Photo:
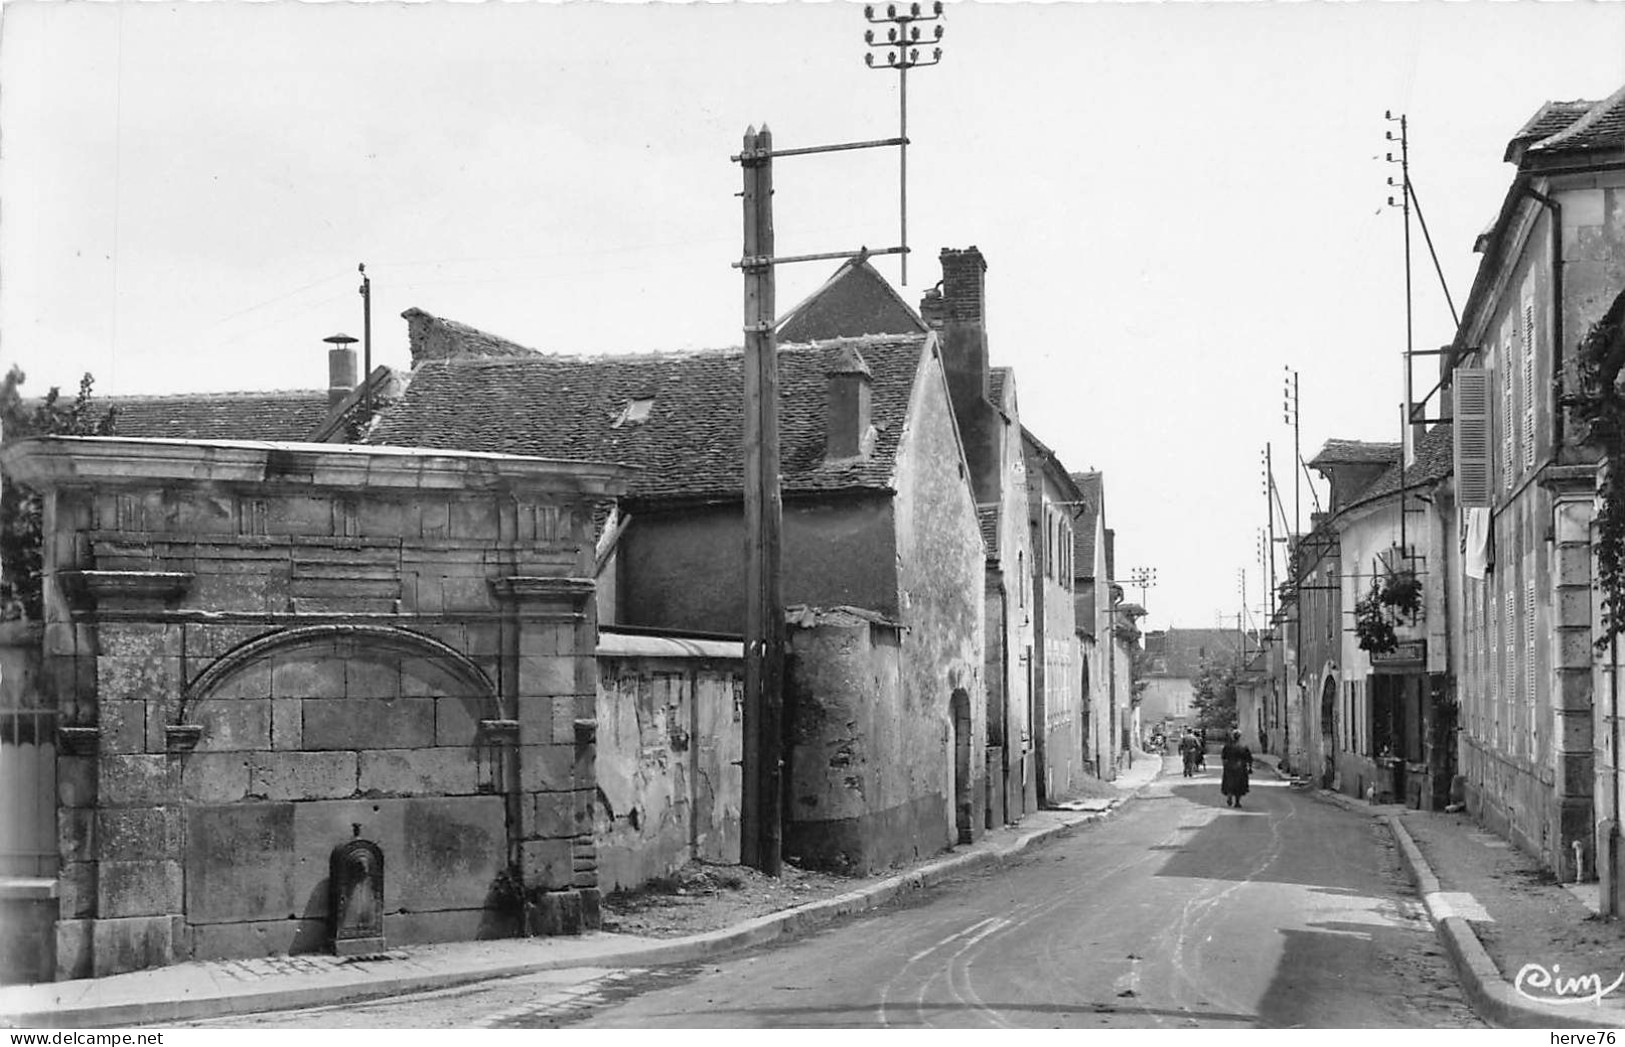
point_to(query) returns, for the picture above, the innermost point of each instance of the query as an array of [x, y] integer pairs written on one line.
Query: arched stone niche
[[310, 737]]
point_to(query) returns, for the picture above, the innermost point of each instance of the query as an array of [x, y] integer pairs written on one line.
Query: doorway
[[959, 709], [1328, 733]]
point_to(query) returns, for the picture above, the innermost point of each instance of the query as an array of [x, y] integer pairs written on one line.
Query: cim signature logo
[[1554, 987]]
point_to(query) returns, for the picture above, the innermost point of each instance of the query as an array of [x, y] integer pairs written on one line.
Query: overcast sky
[[1176, 201]]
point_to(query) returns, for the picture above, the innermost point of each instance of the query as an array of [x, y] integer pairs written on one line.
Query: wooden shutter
[[1509, 443], [1529, 385], [1529, 661], [1509, 656], [1472, 437]]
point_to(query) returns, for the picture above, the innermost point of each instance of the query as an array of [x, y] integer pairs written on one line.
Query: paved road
[[1177, 913]]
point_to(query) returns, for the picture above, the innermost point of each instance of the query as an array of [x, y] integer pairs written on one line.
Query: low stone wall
[[670, 714]]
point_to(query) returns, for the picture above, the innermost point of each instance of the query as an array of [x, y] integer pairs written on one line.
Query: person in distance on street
[[1188, 746], [1238, 767]]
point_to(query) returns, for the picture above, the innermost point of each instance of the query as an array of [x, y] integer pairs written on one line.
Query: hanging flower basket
[[1402, 591], [1373, 622]]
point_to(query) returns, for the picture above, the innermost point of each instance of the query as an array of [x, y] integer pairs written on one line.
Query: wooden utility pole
[[763, 763], [761, 835], [366, 343]]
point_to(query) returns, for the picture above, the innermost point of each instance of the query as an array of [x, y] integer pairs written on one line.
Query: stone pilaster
[[1571, 679], [552, 679]]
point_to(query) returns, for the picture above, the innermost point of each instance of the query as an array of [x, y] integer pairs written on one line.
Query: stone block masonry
[[268, 651]]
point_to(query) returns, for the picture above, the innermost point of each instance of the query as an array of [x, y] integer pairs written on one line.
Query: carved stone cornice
[[87, 590], [534, 589], [1575, 481], [499, 732], [182, 737]]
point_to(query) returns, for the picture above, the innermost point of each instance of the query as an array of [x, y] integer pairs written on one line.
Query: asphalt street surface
[[1178, 912]]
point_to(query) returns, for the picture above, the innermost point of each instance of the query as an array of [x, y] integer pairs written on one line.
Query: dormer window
[[635, 412]]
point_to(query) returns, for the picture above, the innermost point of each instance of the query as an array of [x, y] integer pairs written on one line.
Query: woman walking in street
[[1238, 766]]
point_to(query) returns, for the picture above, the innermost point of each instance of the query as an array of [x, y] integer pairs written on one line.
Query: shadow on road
[[1341, 975], [1264, 842]]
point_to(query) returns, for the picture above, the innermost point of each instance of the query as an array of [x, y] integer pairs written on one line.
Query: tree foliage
[[1213, 695], [22, 511], [1599, 407]]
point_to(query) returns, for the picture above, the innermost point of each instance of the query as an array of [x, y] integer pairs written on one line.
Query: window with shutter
[[1477, 665], [1529, 385], [1492, 667], [1529, 665], [1471, 391], [1509, 661], [1508, 443]]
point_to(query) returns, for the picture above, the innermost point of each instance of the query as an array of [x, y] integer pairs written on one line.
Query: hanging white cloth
[[1475, 543]]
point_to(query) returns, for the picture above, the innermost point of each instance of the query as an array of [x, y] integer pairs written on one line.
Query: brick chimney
[[340, 368], [957, 311], [848, 388]]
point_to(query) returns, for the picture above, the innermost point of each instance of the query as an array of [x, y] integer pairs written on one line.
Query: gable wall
[[685, 568]]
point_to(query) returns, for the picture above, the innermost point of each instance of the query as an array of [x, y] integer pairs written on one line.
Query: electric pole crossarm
[[763, 262], [808, 150]]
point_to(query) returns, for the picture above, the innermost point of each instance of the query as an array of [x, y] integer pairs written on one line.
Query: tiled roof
[[1355, 452], [1435, 460], [288, 415], [1180, 652], [1548, 120], [855, 301], [688, 445], [1601, 127], [436, 338]]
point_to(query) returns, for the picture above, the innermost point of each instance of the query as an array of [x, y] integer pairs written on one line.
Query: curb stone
[[758, 931], [1489, 994]]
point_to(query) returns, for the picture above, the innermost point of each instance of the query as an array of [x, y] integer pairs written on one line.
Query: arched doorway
[[959, 709]]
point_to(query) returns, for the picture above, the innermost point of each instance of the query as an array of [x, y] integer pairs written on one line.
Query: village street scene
[[606, 516]]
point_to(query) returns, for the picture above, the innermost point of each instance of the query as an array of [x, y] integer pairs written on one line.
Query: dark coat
[[1238, 765]]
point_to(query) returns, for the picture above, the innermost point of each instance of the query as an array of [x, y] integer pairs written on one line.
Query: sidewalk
[[1500, 916], [195, 990]]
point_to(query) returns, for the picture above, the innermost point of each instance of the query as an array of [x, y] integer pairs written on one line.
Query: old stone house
[[1173, 659], [1053, 504], [882, 559], [988, 418], [1314, 635], [1539, 737], [1091, 612], [272, 665], [1391, 716]]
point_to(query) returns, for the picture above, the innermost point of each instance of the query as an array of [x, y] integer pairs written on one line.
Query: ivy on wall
[[1598, 405]]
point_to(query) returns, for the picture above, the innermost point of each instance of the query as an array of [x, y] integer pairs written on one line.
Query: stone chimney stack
[[957, 311], [847, 405], [340, 368]]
